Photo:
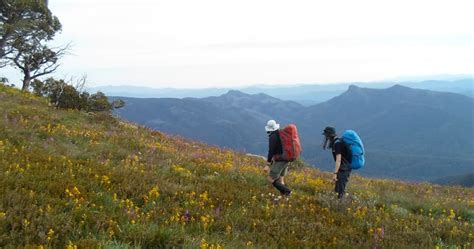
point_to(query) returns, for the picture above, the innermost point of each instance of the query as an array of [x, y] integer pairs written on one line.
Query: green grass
[[73, 179]]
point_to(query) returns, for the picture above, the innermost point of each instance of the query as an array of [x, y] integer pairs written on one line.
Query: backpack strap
[[344, 160]]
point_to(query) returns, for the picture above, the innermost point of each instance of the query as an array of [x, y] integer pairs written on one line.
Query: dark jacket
[[274, 145]]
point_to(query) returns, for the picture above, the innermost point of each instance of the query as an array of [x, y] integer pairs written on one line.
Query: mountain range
[[466, 180], [305, 94], [409, 134]]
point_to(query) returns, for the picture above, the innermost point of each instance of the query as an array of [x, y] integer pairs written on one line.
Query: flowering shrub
[[71, 180]]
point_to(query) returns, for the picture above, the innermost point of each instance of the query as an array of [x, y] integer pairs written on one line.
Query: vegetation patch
[[71, 179]]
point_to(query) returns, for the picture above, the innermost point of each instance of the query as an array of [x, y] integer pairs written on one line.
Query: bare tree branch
[[61, 90], [80, 84], [17, 62], [45, 71]]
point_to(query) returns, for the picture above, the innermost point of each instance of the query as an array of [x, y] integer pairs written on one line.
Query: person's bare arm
[[337, 166]]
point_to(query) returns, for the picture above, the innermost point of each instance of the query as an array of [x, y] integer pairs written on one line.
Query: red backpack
[[290, 143]]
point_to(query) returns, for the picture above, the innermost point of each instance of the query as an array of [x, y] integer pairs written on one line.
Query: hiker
[[276, 168], [341, 156]]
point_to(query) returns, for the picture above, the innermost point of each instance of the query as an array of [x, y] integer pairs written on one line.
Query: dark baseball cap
[[329, 131]]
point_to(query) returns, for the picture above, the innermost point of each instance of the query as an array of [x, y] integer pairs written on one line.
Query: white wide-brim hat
[[272, 125]]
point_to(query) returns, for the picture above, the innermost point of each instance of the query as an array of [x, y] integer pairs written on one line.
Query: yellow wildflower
[[70, 245], [204, 244], [50, 234]]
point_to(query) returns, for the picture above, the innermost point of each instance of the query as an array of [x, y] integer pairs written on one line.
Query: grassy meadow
[[69, 179]]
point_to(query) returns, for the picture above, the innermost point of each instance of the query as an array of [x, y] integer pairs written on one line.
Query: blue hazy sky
[[188, 44]]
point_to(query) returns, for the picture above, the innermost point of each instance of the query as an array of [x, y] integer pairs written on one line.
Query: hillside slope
[[72, 179]]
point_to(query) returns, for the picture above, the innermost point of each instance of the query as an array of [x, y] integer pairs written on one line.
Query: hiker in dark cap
[[341, 156]]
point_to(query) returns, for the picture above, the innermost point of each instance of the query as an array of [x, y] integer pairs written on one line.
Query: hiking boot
[[282, 188]]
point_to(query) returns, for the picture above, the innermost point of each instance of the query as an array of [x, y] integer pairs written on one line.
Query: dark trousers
[[342, 179]]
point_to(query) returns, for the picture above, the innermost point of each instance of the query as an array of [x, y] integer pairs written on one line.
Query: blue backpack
[[355, 147]]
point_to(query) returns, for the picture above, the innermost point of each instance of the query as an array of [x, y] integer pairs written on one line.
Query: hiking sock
[[284, 190]]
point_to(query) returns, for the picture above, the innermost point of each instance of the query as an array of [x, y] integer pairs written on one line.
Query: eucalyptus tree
[[26, 27]]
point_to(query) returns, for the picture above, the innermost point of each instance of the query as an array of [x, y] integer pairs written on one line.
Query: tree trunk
[[26, 82], [2, 47]]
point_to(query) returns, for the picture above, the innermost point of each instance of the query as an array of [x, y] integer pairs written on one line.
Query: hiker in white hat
[[277, 169]]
